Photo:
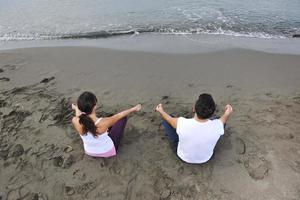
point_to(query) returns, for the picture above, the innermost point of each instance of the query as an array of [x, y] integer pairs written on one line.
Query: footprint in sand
[[3, 103], [14, 119], [63, 161], [257, 167], [68, 149], [4, 153], [85, 188], [4, 79], [69, 190], [165, 194], [47, 80], [23, 192], [17, 150], [68, 161], [35, 196], [9, 67], [240, 146], [58, 161]]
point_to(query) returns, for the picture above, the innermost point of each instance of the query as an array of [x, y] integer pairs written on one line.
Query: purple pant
[[116, 132]]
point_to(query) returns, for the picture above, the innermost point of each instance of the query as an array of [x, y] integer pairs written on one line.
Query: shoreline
[[168, 43]]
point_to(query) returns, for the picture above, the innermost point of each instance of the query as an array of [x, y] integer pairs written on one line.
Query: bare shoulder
[[104, 123], [102, 126]]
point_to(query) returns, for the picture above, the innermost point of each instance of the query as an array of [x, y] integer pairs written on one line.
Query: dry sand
[[41, 156]]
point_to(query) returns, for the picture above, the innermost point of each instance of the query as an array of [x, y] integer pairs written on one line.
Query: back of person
[[197, 140], [194, 139], [101, 136], [99, 146]]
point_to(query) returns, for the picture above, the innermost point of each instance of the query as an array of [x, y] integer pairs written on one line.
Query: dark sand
[[41, 156]]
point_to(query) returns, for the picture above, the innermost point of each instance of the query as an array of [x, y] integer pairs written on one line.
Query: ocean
[[73, 19]]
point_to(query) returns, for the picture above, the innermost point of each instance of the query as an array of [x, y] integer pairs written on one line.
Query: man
[[194, 139]]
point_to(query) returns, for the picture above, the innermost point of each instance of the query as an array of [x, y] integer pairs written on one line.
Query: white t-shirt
[[197, 140]]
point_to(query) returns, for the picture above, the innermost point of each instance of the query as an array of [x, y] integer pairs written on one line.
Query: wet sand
[[41, 156]]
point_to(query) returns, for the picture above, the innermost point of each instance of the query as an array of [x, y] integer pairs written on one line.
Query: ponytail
[[88, 124], [86, 103]]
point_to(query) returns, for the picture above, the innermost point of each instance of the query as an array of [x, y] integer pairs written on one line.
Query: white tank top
[[97, 145]]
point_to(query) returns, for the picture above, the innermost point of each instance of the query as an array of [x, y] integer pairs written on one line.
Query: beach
[[42, 157]]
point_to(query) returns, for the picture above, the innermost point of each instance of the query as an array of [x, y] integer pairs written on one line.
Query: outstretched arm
[[171, 120], [110, 121], [227, 113]]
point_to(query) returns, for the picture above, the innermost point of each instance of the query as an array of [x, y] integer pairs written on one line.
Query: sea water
[[64, 19]]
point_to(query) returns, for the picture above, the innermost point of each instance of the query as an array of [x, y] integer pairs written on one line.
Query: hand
[[74, 106], [137, 108], [159, 108], [228, 110]]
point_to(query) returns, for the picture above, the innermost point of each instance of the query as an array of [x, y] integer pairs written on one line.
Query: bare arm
[[171, 120], [76, 124], [77, 111], [75, 119], [110, 121], [227, 113]]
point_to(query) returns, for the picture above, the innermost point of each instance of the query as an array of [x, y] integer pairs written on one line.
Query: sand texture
[[42, 157]]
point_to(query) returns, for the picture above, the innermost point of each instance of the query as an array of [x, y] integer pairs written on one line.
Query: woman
[[101, 136]]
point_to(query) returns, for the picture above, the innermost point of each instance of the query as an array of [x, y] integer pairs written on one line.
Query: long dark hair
[[86, 103]]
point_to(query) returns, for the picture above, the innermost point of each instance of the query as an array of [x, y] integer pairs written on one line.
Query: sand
[[41, 155]]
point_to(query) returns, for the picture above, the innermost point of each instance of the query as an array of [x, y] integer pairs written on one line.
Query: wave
[[114, 33], [95, 35]]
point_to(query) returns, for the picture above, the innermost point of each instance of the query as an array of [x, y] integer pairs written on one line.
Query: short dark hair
[[205, 106]]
